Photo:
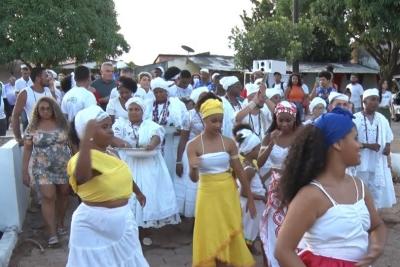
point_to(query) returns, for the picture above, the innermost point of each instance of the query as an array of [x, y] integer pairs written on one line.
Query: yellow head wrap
[[211, 107]]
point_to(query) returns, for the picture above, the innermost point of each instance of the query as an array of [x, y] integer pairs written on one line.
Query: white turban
[[250, 141], [271, 92], [205, 70], [87, 114], [197, 92], [251, 88], [336, 95], [228, 81], [370, 92], [159, 83], [137, 100], [316, 101]]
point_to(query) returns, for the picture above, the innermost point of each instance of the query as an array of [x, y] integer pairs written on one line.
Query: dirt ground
[[172, 245]]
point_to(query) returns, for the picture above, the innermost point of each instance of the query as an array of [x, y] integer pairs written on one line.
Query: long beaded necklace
[[161, 118], [366, 130], [252, 123]]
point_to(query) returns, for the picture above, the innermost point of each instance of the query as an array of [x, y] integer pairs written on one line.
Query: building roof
[[214, 62], [315, 67]]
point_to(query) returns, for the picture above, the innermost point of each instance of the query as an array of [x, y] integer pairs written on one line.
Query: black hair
[[185, 74], [205, 97], [238, 137], [82, 73], [290, 84], [330, 68], [128, 83], [381, 82], [127, 70], [36, 72], [305, 161], [171, 73], [325, 74], [277, 73], [66, 83], [274, 124]]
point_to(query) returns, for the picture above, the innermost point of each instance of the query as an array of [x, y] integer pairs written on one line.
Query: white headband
[[250, 141], [87, 114]]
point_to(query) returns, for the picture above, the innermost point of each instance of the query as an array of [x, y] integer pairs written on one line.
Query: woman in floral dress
[[46, 154]]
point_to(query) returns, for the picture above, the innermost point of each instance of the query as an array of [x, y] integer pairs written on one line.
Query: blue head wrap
[[335, 125]]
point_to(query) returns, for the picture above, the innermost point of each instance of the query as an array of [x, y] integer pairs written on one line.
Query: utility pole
[[295, 66]]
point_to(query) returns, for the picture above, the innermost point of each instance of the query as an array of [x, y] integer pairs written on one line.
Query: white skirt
[[104, 237], [185, 190], [251, 227], [152, 177]]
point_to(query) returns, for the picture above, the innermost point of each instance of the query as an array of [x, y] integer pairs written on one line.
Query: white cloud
[[152, 27]]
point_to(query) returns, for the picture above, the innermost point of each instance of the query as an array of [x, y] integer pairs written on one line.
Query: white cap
[[251, 88], [335, 95], [52, 73], [315, 102], [228, 81], [370, 92], [24, 66], [194, 96], [271, 92], [159, 83], [205, 70]]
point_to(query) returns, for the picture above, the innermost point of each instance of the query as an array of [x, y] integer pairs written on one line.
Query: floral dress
[[50, 156]]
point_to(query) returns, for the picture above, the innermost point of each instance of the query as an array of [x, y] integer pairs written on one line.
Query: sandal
[[62, 231], [53, 241]]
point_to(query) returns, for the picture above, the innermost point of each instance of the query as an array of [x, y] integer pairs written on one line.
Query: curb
[[7, 244]]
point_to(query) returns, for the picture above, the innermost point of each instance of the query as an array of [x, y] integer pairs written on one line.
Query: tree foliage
[[269, 33], [51, 31], [371, 24]]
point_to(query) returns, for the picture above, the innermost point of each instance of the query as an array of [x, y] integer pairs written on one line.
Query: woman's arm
[[246, 111], [194, 162], [250, 172], [28, 146], [154, 142], [265, 151], [118, 142], [181, 148], [241, 175], [377, 233], [303, 211]]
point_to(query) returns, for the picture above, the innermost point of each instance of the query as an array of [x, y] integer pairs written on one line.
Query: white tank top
[[212, 163], [32, 98], [342, 231], [278, 156]]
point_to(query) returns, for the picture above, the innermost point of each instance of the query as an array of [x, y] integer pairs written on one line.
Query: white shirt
[[3, 95], [115, 108], [386, 100], [21, 84], [140, 92], [114, 93], [305, 89], [32, 97], [356, 93], [75, 100], [179, 92]]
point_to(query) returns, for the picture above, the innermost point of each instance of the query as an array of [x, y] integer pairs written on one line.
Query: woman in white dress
[[185, 189], [170, 113], [150, 173], [275, 147], [116, 106]]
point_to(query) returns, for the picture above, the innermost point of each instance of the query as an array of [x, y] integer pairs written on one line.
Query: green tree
[[372, 24], [269, 33], [51, 31]]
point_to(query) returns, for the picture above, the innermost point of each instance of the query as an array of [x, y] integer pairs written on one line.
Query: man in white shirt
[[79, 97], [357, 91], [24, 82], [182, 87], [278, 84]]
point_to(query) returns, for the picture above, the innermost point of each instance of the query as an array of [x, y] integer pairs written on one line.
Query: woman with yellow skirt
[[218, 235]]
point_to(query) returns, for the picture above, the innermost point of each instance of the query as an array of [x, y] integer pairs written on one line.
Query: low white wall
[[14, 196]]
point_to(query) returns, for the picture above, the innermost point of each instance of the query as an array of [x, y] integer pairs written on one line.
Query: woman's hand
[[386, 150], [141, 198], [26, 179], [149, 147], [250, 207], [373, 254], [179, 169]]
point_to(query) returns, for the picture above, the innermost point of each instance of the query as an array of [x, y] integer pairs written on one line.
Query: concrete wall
[[14, 196]]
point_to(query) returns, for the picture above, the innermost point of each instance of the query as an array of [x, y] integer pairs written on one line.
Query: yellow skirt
[[218, 233]]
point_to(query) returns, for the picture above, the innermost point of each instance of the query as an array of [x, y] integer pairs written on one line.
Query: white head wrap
[[370, 92], [271, 92], [159, 83], [215, 75], [137, 100], [251, 88], [336, 95], [205, 70], [250, 141], [87, 114], [316, 101], [52, 73], [161, 69], [197, 92], [228, 81]]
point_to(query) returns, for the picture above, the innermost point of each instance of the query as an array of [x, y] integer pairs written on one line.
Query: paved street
[[172, 245]]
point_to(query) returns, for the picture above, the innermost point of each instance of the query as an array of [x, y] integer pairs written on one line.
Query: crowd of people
[[306, 172]]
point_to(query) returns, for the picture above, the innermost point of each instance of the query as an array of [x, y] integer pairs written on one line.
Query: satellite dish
[[187, 48]]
